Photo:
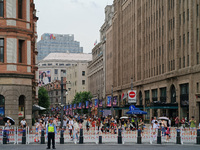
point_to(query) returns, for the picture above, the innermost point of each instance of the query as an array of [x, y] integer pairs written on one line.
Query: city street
[[100, 147]]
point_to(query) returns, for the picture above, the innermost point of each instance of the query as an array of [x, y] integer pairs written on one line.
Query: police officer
[[51, 131]]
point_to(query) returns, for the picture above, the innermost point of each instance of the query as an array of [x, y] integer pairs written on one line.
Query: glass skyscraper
[[57, 43]]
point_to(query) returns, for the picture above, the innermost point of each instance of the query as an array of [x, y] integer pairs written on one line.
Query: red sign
[[132, 94]]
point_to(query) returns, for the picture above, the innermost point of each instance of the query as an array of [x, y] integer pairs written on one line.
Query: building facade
[[57, 43], [18, 56], [157, 44], [77, 80], [53, 67], [54, 92], [97, 67]]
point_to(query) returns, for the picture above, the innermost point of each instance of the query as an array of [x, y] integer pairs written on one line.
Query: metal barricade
[[188, 135]]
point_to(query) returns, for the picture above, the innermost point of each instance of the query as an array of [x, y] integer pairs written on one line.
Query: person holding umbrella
[[51, 131], [7, 129]]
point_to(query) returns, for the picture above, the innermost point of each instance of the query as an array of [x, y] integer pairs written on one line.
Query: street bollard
[[198, 136], [100, 139], [159, 137], [61, 137], [42, 138], [139, 138], [81, 137], [178, 137], [119, 136], [24, 137], [4, 137]]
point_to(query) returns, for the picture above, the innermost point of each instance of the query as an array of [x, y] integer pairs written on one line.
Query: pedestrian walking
[[7, 129], [51, 131]]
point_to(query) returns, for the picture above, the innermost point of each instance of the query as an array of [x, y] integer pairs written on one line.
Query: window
[[154, 95], [163, 94], [147, 100], [197, 58], [173, 22], [61, 64], [56, 92], [188, 37], [179, 41], [83, 73], [179, 63], [197, 87], [183, 39], [183, 17], [184, 88], [179, 19], [183, 61], [1, 8], [43, 64], [20, 9], [188, 15], [197, 33], [49, 64], [188, 58], [197, 10], [2, 50], [55, 71], [83, 82], [20, 51]]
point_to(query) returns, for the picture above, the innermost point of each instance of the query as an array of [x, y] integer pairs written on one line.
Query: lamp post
[[112, 101], [98, 104], [61, 102], [81, 106]]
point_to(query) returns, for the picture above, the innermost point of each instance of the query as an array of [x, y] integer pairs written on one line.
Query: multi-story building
[[57, 43], [17, 59], [54, 92], [77, 80], [53, 67], [97, 67], [157, 44]]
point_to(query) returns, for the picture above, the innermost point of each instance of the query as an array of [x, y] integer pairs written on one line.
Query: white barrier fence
[[92, 135]]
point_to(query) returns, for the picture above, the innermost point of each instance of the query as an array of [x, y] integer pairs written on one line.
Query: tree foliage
[[43, 98], [82, 97]]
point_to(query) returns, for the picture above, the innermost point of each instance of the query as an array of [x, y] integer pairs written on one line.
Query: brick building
[[17, 59], [157, 44]]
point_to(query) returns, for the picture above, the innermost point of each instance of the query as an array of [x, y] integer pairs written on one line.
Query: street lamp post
[[61, 102], [112, 101], [81, 106]]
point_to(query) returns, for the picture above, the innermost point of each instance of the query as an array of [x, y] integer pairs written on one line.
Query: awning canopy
[[37, 107]]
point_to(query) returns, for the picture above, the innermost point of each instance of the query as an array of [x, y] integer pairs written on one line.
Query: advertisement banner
[[64, 108], [96, 103], [70, 107], [115, 101], [2, 113], [83, 105], [108, 101], [74, 107], [100, 103], [44, 77], [79, 106], [87, 104], [90, 104], [67, 107]]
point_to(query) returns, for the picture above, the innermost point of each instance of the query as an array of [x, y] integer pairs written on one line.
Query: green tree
[[82, 97], [43, 98]]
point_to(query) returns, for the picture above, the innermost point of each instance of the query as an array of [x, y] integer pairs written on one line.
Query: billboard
[[109, 101], [44, 77]]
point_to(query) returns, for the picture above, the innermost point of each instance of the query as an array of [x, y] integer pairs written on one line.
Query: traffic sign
[[132, 96]]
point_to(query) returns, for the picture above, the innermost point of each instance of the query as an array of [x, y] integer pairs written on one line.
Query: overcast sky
[[83, 18]]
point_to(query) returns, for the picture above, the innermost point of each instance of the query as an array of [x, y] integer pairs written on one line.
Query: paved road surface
[[102, 147]]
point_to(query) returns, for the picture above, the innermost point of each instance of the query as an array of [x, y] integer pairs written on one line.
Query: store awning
[[37, 107]]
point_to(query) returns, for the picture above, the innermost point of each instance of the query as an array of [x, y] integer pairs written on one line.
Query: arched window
[[2, 109], [21, 112], [173, 94], [140, 98]]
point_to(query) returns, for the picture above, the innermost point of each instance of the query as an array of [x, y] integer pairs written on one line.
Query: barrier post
[[119, 136], [81, 137], [159, 137], [61, 137], [178, 137], [198, 136], [42, 138], [139, 138], [4, 137], [24, 137]]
